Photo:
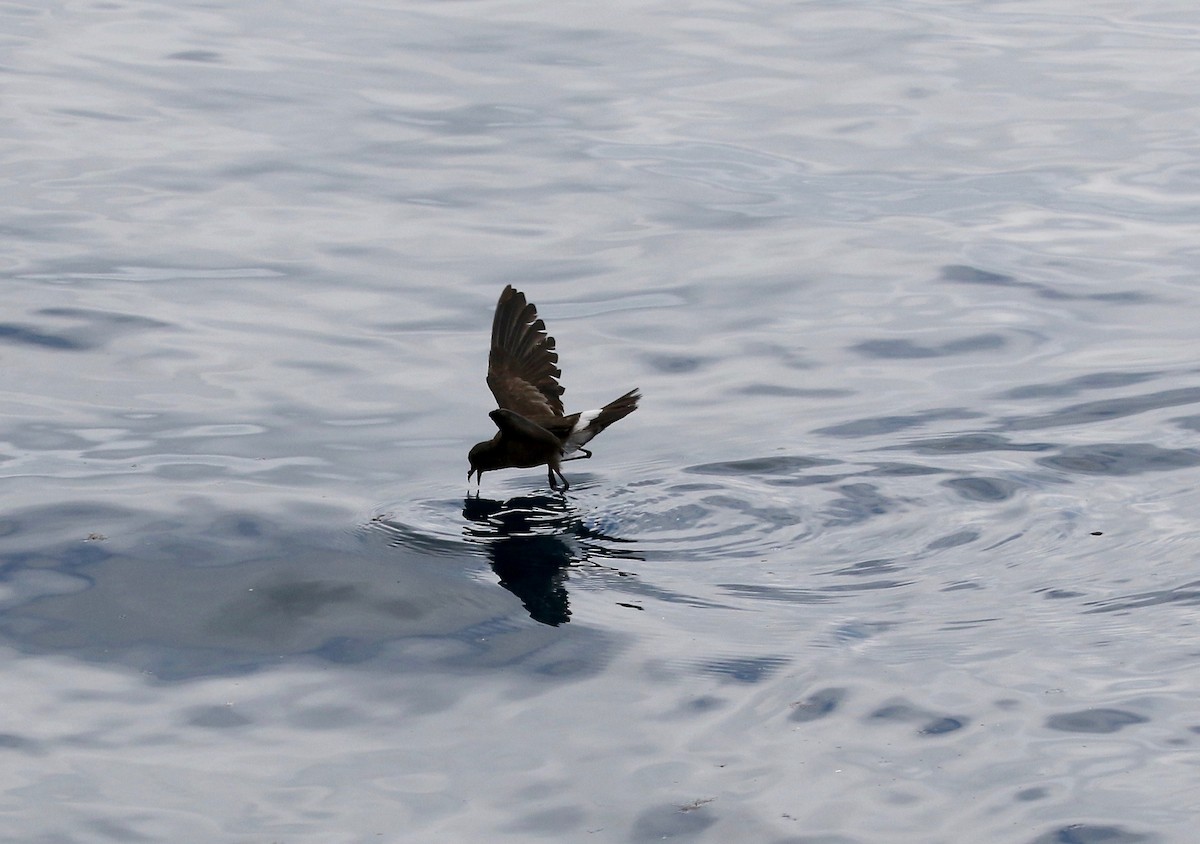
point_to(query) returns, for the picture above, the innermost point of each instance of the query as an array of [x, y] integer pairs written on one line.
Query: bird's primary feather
[[523, 365]]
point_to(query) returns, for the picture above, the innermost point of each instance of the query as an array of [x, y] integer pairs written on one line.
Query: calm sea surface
[[902, 547]]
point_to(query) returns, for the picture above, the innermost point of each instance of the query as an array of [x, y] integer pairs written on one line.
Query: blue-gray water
[[901, 546]]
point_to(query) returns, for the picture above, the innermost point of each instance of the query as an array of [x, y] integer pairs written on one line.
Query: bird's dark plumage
[[523, 376]]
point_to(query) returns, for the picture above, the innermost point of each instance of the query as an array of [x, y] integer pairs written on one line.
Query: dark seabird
[[523, 376]]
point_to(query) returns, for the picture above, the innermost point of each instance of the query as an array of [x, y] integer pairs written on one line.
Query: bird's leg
[[584, 455], [565, 484], [550, 475]]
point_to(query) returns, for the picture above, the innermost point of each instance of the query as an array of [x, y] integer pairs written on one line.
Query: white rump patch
[[580, 435], [584, 420]]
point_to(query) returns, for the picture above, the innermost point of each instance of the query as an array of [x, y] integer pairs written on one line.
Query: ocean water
[[901, 546]]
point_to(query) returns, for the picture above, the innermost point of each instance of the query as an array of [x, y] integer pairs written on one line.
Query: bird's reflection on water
[[533, 541]]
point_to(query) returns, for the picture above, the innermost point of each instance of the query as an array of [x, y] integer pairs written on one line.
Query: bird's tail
[[592, 422], [614, 410]]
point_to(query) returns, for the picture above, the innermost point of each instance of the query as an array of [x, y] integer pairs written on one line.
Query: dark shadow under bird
[[523, 376]]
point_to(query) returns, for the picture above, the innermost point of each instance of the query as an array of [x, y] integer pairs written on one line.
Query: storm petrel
[[523, 376]]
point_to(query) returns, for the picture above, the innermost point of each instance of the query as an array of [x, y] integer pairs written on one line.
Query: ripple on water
[[697, 522], [1086, 833], [532, 544], [1121, 459]]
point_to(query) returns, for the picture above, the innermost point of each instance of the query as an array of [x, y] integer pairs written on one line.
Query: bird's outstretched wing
[[523, 366]]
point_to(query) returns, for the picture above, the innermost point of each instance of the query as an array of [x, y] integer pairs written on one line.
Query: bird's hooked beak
[[472, 471]]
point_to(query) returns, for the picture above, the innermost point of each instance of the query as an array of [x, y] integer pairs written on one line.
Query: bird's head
[[482, 458]]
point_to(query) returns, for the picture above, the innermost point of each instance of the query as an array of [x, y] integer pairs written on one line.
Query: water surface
[[899, 547]]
